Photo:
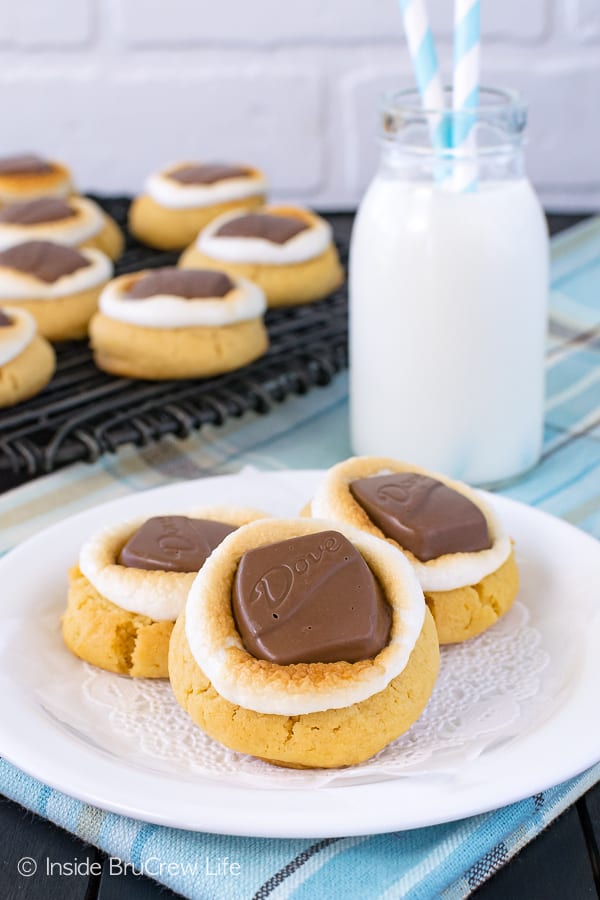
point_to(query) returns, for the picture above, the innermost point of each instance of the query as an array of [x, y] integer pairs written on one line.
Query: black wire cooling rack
[[84, 413]]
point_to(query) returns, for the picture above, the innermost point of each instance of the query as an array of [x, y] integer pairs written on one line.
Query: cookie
[[286, 250], [180, 200], [131, 583], [304, 644], [74, 221], [58, 285], [463, 559], [27, 176], [167, 323], [27, 361]]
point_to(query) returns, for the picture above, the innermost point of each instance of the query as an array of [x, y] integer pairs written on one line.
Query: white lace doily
[[489, 689]]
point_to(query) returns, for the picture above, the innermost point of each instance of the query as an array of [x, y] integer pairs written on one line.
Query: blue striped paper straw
[[465, 94], [425, 64]]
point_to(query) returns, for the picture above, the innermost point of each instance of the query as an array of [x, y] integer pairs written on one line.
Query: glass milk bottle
[[448, 297]]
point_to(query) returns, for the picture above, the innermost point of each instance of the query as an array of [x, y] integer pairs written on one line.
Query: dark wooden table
[[563, 863]]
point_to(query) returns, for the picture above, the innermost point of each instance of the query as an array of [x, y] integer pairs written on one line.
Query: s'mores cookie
[[304, 643], [463, 559], [167, 323], [132, 582], [181, 199], [27, 361], [58, 285], [286, 250], [74, 221], [27, 176]]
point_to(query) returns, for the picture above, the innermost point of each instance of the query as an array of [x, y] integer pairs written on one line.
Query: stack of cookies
[[239, 256], [56, 252]]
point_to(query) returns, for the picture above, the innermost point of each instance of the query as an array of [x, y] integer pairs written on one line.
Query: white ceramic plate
[[561, 585]]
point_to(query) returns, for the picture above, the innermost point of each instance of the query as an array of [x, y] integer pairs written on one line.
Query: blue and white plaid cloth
[[447, 861]]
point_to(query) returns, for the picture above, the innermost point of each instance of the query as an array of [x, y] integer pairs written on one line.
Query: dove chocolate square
[[43, 259], [273, 228], [422, 514], [190, 284], [207, 173], [24, 164], [36, 212], [310, 599], [173, 543]]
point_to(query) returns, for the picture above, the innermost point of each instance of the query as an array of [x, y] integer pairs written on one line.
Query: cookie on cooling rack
[[168, 323], [181, 199], [58, 285], [305, 644], [27, 176], [27, 360], [286, 250], [131, 584], [74, 221], [464, 561]]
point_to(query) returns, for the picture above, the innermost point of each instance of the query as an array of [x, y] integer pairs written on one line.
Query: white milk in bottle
[[448, 300]]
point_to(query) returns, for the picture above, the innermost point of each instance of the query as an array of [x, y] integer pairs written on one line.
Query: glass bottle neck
[[453, 146]]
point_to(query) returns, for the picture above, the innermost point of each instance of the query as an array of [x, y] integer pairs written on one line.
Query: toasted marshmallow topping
[[16, 336], [311, 242], [445, 573], [16, 284], [86, 222], [160, 595], [297, 688], [184, 195], [26, 176], [62, 189], [245, 301]]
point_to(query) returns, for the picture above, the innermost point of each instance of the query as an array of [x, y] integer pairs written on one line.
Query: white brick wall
[[35, 24], [584, 18], [117, 87], [270, 22]]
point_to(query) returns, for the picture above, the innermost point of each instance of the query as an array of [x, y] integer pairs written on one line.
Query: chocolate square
[[421, 514], [173, 543], [309, 599]]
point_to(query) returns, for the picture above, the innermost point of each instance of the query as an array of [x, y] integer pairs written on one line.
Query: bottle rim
[[498, 103]]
